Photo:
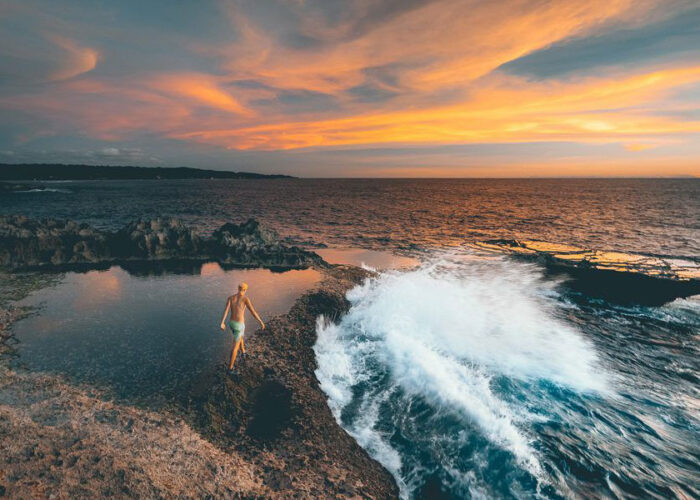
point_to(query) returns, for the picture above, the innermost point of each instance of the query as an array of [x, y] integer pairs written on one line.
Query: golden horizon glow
[[416, 76]]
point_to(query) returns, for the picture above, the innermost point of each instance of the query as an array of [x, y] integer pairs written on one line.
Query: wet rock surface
[[31, 243], [614, 276], [273, 403], [264, 432]]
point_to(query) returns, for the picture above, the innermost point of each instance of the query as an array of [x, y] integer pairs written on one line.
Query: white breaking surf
[[443, 331]]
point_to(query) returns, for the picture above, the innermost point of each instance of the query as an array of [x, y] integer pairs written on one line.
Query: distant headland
[[62, 172]]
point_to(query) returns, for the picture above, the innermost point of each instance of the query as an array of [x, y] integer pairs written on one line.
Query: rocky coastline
[[614, 276], [52, 243], [275, 403], [265, 432]]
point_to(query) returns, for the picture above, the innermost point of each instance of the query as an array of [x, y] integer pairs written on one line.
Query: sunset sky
[[335, 88]]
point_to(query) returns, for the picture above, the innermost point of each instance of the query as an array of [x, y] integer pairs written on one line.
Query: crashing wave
[[445, 334]]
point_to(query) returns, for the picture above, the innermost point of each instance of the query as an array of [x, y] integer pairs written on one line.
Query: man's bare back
[[238, 304]]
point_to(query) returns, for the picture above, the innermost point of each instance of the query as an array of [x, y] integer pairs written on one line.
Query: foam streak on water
[[440, 339]]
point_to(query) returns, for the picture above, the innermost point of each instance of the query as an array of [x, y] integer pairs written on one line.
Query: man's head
[[242, 287]]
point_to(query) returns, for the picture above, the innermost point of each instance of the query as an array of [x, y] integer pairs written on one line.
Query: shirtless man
[[237, 304]]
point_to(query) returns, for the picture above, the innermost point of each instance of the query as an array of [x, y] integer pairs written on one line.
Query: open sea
[[467, 375]]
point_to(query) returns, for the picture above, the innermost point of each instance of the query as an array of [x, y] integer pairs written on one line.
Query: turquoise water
[[472, 377]]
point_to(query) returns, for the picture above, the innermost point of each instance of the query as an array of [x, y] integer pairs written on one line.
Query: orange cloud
[[443, 44], [638, 147], [438, 63], [504, 109], [98, 289], [80, 59], [202, 89]]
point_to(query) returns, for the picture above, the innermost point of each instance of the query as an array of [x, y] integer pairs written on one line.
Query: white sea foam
[[443, 331], [44, 190]]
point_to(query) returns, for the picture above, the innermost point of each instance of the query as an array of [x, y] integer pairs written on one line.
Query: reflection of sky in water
[[145, 337], [359, 256]]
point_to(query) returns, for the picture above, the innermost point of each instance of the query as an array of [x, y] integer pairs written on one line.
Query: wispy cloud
[[78, 60], [319, 75]]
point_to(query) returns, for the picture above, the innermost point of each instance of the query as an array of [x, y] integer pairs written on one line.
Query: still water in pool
[[146, 339]]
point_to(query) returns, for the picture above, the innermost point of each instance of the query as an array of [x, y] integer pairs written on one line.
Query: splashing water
[[445, 337]]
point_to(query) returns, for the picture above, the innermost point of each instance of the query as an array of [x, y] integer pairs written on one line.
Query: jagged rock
[[614, 276], [248, 233], [248, 243], [160, 238], [26, 242]]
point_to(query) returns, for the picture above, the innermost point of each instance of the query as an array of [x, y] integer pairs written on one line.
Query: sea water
[[468, 376], [476, 377]]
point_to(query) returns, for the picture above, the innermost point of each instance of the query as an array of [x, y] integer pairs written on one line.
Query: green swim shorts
[[237, 329]]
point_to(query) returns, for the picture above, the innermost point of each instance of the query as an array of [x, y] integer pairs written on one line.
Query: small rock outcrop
[[248, 243], [161, 238], [614, 276], [30, 243]]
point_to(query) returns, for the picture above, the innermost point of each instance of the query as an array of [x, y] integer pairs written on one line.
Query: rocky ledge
[[265, 432], [274, 403], [615, 276], [32, 243]]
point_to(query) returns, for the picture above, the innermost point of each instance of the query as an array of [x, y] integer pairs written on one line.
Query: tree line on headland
[[58, 171]]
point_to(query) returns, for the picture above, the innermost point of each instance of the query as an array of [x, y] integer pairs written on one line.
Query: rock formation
[[156, 239], [31, 243], [265, 432], [28, 242], [615, 276], [249, 244]]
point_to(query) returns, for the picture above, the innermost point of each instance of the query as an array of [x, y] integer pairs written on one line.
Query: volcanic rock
[[250, 244], [29, 243], [618, 277], [161, 238]]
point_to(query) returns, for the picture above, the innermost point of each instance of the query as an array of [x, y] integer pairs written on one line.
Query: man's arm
[[223, 320], [254, 312]]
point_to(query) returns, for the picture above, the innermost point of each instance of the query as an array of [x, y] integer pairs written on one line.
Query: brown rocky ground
[[265, 432], [59, 441]]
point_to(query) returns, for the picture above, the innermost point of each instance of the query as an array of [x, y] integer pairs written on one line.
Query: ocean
[[468, 375]]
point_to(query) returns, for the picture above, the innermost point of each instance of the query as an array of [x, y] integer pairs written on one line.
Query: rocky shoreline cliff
[[265, 432]]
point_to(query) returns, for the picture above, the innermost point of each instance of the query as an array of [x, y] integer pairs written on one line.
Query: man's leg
[[243, 345], [234, 353]]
